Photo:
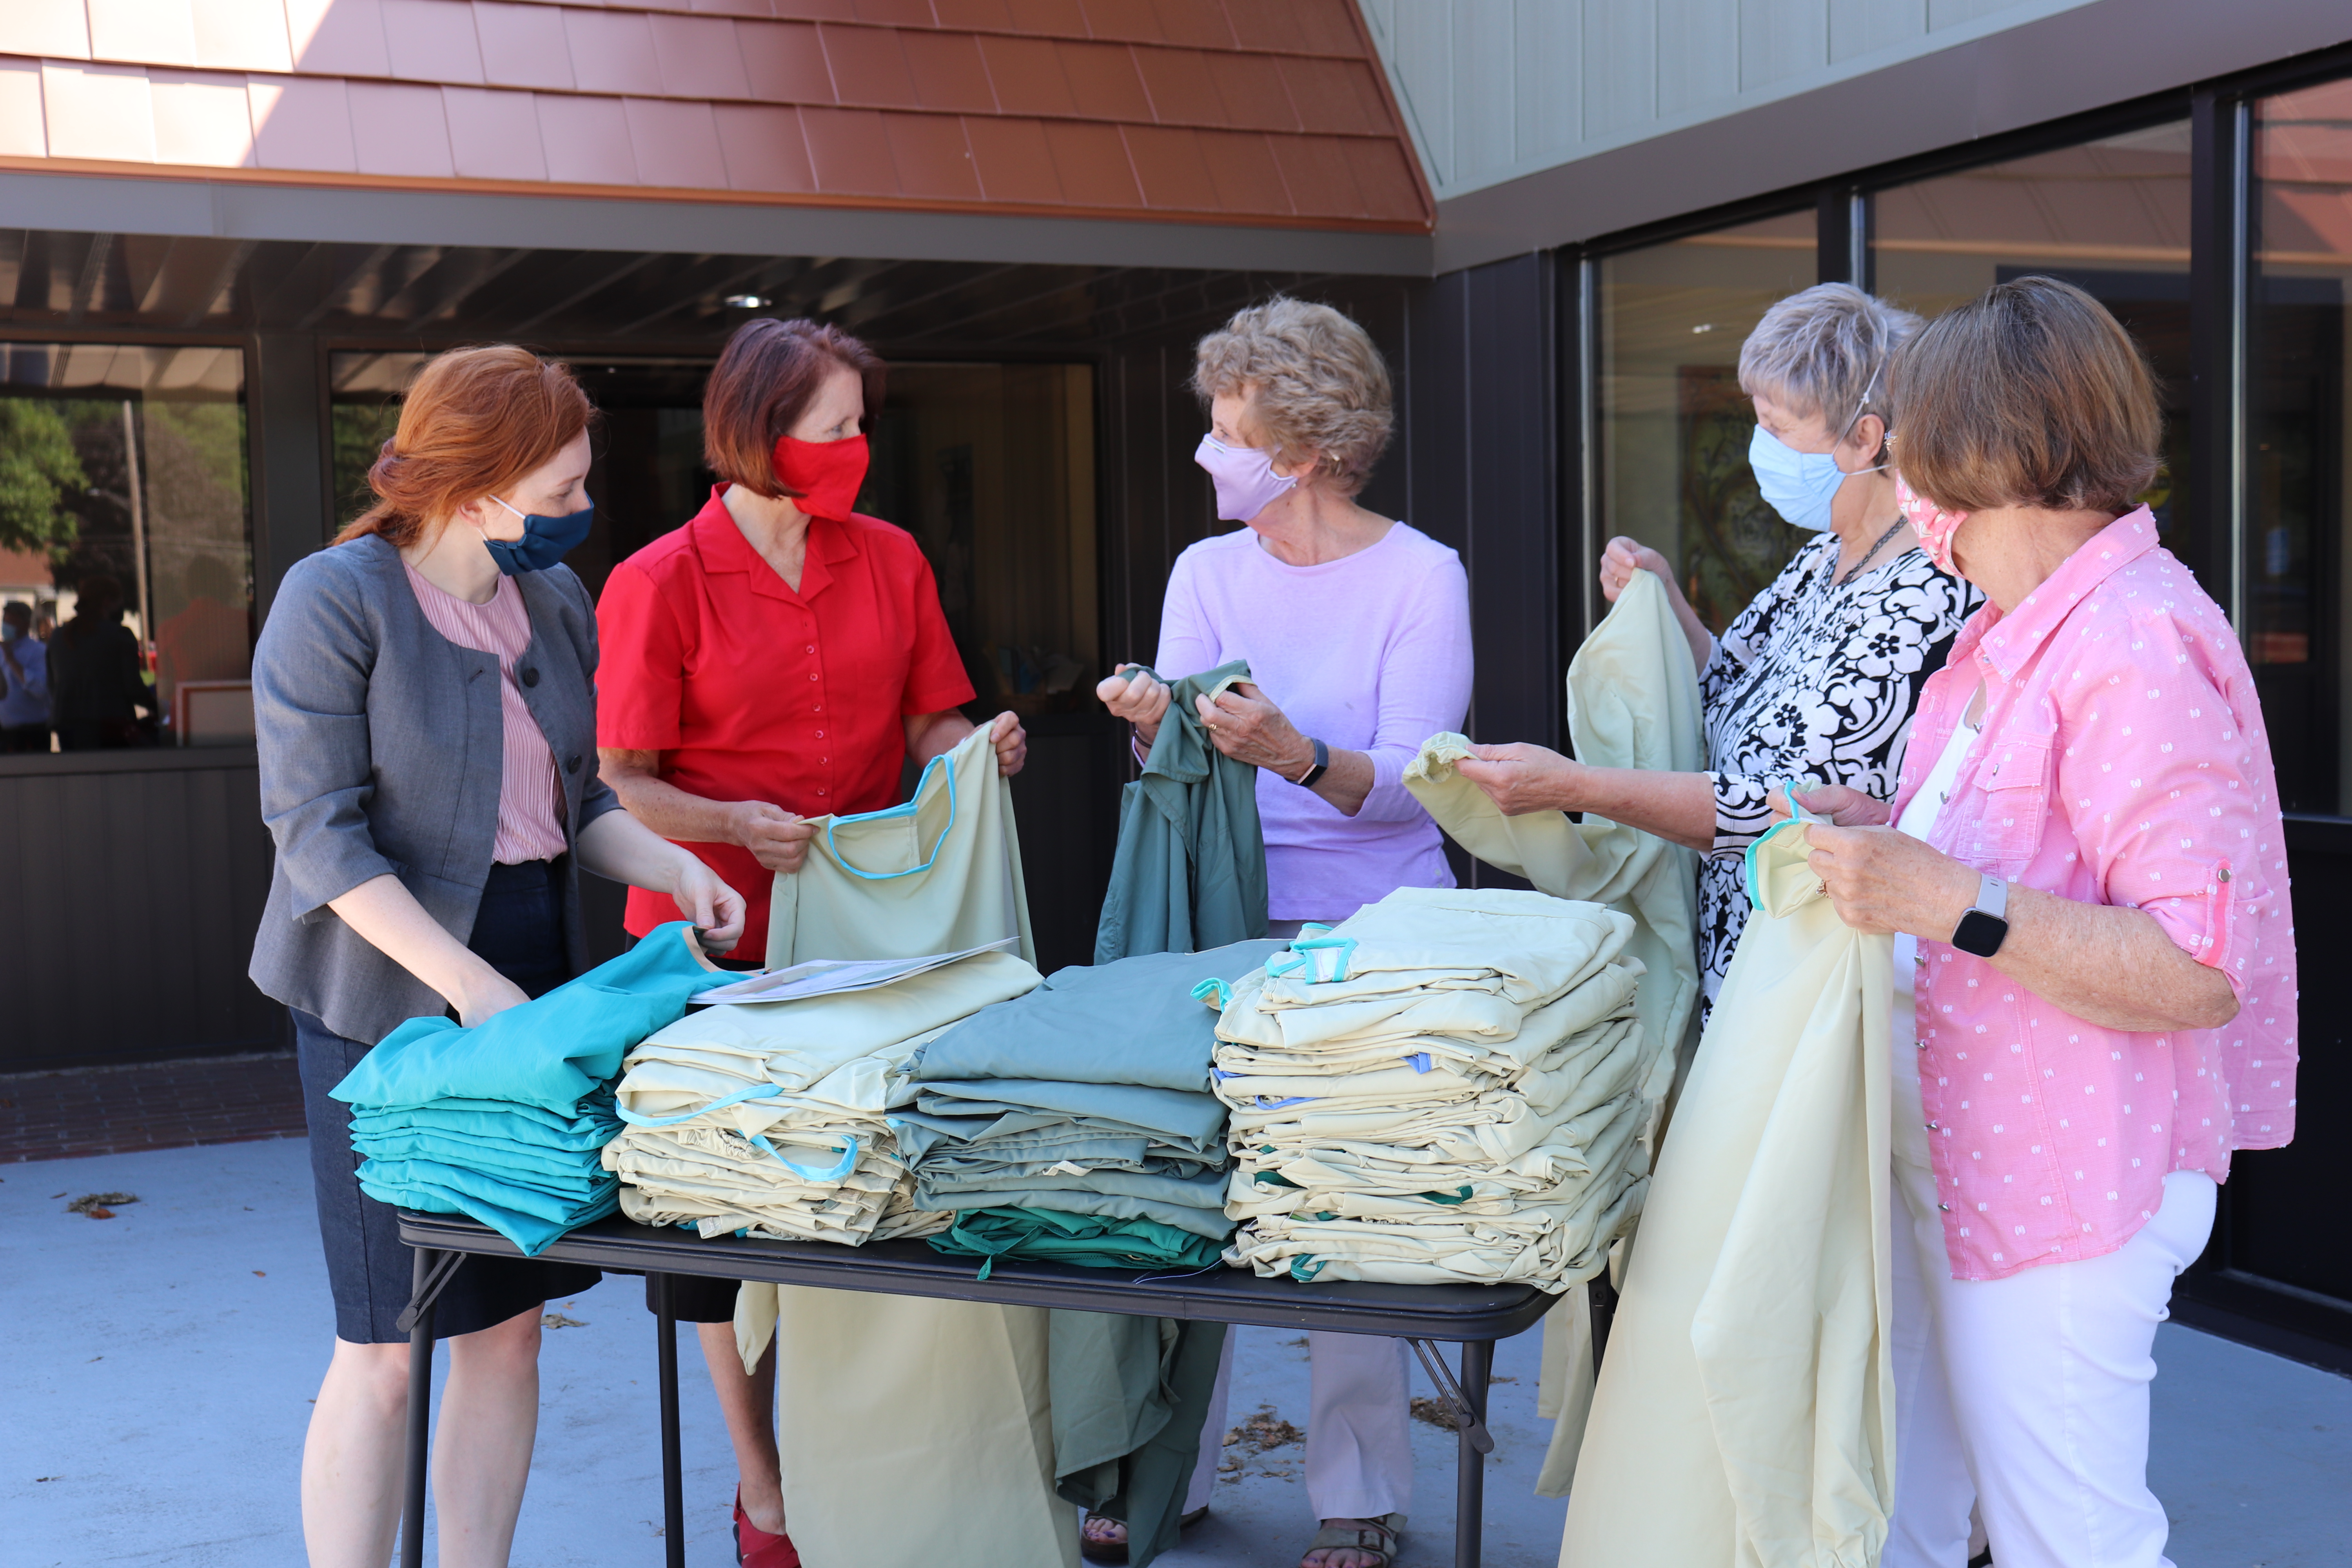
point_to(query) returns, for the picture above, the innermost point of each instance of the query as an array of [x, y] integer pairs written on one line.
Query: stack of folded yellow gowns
[[776, 1119], [1447, 1087]]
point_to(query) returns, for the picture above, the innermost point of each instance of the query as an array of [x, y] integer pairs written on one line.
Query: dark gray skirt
[[520, 932]]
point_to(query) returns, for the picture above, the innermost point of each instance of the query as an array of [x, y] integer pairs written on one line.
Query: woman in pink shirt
[[2088, 882]]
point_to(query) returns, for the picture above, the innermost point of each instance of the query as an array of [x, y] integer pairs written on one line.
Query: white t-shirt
[[1909, 1115]]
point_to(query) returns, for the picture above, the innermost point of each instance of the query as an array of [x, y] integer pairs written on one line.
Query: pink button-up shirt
[[2123, 762]]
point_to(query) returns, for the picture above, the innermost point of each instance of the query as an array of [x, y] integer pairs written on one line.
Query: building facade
[[233, 226]]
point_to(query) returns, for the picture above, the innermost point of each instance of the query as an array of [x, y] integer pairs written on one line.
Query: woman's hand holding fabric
[[1012, 743], [1134, 696], [776, 838], [1624, 557], [1244, 725], [1520, 778], [1844, 807], [488, 996], [716, 909], [1885, 881]]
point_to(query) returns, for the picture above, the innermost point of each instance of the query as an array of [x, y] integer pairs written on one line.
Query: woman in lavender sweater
[[1356, 629]]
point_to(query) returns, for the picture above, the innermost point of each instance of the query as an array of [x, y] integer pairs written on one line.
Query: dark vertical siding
[[129, 891]]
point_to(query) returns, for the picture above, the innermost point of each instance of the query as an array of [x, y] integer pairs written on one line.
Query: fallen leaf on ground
[[557, 1321], [99, 1205], [1437, 1415], [1266, 1430]]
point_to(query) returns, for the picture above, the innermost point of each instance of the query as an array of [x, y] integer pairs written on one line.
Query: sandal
[[755, 1548], [1110, 1545], [1377, 1536]]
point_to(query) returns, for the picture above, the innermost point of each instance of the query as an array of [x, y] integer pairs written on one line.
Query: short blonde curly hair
[[1314, 382]]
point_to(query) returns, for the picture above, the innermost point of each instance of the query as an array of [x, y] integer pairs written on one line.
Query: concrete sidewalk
[[162, 1364]]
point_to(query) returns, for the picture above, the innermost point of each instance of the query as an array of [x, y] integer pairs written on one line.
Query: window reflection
[[2110, 216], [2295, 555], [1674, 427], [125, 531]]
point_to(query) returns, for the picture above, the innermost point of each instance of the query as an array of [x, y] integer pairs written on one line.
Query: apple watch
[[1986, 926]]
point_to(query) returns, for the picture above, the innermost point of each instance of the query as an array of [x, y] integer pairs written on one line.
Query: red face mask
[[827, 474]]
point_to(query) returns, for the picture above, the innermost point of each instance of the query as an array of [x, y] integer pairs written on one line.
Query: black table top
[[913, 1268]]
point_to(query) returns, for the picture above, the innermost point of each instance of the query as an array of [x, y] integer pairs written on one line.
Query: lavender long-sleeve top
[[1370, 653]]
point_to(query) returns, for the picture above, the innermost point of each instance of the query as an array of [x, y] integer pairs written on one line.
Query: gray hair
[[1824, 351], [1314, 381]]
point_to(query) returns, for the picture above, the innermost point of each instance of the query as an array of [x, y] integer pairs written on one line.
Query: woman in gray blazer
[[426, 719]]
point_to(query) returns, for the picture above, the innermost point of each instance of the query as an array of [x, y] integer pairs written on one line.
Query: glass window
[[2299, 401], [1674, 427], [125, 528], [2110, 216]]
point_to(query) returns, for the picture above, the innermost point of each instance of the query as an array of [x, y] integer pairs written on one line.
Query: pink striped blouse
[[531, 797]]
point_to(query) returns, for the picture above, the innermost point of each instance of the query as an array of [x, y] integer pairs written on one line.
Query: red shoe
[[755, 1548]]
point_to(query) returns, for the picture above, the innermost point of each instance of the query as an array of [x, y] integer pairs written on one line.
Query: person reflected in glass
[[24, 682], [781, 657], [1817, 676], [1356, 629], [210, 636], [96, 687]]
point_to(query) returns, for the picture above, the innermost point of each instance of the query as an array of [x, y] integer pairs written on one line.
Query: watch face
[[1980, 933]]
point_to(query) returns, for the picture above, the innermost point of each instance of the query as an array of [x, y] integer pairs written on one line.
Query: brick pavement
[[149, 1105]]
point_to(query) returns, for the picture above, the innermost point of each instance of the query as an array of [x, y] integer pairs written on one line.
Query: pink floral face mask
[[1933, 525]]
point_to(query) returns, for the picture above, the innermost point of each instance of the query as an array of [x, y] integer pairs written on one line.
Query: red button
[[812, 647], [811, 675], [820, 734], [820, 707]]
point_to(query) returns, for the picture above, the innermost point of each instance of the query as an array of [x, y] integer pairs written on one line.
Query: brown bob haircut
[[2030, 394], [766, 377], [473, 422]]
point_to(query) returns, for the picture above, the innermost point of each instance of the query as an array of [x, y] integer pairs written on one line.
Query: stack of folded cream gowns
[[504, 1121], [1075, 1122], [1447, 1087], [780, 1119]]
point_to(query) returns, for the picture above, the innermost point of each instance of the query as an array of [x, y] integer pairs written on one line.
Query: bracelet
[[1318, 768]]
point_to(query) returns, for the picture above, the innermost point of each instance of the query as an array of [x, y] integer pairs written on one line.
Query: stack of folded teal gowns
[[1075, 1122], [1449, 1087], [781, 1119], [505, 1121]]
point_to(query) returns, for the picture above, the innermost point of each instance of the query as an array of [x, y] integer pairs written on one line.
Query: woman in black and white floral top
[[1816, 678]]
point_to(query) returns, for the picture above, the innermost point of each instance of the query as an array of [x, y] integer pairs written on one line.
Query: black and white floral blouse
[[1813, 678]]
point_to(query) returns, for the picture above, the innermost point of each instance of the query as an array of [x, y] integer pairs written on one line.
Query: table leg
[[420, 1417], [1470, 1472], [673, 1466]]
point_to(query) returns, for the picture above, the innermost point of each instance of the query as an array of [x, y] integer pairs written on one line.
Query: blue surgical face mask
[[1801, 485], [545, 540]]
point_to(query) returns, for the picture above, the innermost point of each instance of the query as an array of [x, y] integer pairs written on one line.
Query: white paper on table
[[830, 976]]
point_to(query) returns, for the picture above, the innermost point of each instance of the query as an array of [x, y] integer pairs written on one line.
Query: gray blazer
[[381, 752]]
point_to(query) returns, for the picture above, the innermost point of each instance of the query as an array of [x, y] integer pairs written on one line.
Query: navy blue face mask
[[545, 540]]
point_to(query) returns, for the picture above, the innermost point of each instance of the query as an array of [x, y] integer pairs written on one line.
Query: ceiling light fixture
[[750, 301]]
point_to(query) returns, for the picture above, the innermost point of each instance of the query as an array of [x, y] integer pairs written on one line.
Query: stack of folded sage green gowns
[[780, 1119], [1448, 1087], [1075, 1122], [503, 1121]]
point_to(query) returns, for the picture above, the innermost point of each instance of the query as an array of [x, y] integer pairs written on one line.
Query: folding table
[[1475, 1316]]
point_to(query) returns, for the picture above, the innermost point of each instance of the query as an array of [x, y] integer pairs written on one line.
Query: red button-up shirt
[[752, 692], [2123, 762]]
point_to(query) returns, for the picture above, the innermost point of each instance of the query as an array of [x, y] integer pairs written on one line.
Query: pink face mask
[[1244, 477], [1933, 525]]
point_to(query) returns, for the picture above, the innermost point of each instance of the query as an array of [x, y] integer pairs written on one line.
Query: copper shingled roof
[[1258, 111]]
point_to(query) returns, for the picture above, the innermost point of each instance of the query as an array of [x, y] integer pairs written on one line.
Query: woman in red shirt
[[778, 657]]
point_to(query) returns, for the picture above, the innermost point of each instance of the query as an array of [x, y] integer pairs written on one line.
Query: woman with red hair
[[426, 712]]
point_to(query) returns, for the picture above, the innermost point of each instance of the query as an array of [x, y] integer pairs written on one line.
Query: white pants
[[1358, 1442], [2027, 1397]]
